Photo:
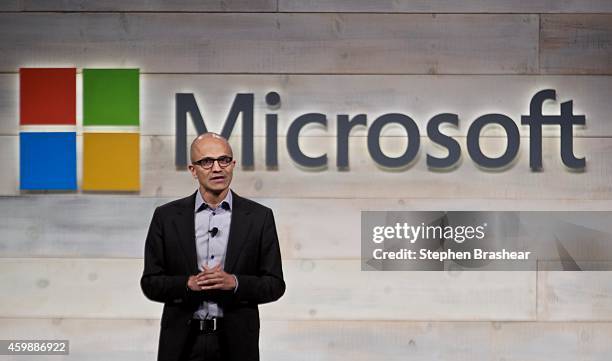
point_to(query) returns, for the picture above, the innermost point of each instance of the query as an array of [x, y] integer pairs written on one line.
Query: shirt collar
[[226, 203]]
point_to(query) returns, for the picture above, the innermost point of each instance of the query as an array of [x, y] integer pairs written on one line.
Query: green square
[[111, 97]]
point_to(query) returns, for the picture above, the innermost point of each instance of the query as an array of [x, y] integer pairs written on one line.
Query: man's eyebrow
[[224, 155]]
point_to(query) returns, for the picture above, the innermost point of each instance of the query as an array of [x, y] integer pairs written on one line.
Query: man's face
[[215, 179]]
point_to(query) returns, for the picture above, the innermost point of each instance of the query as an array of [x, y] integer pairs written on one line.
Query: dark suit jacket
[[253, 255]]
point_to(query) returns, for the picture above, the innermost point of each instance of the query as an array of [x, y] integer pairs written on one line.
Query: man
[[211, 258]]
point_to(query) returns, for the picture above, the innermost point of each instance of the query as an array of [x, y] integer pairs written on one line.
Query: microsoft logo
[[110, 129]]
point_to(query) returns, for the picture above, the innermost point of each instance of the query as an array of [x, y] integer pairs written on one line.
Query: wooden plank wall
[[72, 261]]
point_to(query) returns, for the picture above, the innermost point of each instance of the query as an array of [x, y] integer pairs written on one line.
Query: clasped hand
[[214, 278]]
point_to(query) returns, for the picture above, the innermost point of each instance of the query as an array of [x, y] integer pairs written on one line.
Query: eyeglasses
[[207, 162]]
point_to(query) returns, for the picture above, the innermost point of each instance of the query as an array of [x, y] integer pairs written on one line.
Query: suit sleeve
[[156, 284], [268, 285]]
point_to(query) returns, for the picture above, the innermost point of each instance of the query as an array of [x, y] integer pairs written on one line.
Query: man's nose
[[216, 167]]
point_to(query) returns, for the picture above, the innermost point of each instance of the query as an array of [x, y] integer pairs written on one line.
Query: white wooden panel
[[574, 295], [365, 179], [69, 226], [273, 43], [10, 5], [418, 96], [426, 341], [445, 6], [378, 6], [146, 5], [9, 159], [316, 290], [136, 340], [337, 289], [9, 103], [160, 178], [90, 288], [576, 44], [90, 339], [107, 226]]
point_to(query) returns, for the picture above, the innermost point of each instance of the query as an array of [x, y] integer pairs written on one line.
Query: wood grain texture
[[88, 288], [9, 149], [136, 340], [69, 226], [574, 296], [475, 58], [115, 226], [273, 43], [316, 290], [426, 341], [160, 178], [90, 339], [445, 6], [144, 5], [365, 6], [418, 96], [10, 5], [467, 181], [576, 44]]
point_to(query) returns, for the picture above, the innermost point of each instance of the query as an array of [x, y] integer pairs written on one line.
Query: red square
[[47, 96]]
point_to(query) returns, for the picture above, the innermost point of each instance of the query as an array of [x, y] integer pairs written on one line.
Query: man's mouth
[[217, 179]]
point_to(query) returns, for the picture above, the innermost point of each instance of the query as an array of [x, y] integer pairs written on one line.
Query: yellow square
[[111, 161]]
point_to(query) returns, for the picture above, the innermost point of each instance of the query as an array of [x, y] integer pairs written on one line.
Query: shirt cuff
[[236, 288]]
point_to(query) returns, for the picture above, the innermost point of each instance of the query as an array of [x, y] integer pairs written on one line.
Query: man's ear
[[191, 169]]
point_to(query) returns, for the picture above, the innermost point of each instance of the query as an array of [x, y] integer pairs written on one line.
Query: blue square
[[47, 161]]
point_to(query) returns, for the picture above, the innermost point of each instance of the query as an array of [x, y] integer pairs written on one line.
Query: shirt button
[[214, 214], [212, 257]]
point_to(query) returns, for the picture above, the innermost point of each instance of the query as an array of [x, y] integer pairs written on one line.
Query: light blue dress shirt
[[211, 247]]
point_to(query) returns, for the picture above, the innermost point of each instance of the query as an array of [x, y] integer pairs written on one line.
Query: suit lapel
[[185, 227], [239, 228]]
